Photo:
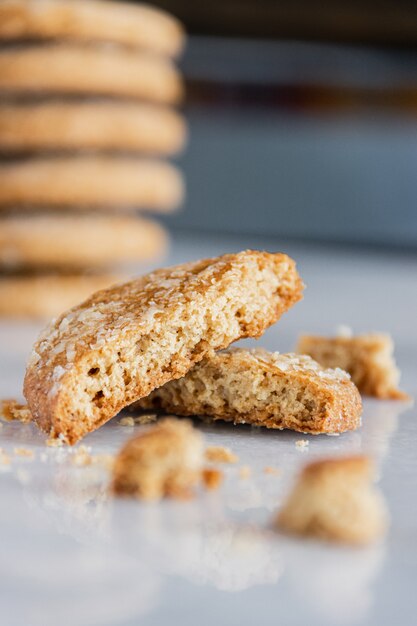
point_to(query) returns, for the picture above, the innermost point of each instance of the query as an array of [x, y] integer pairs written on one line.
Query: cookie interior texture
[[265, 389], [335, 500], [125, 341]]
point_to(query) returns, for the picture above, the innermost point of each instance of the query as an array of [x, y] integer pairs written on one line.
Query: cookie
[[123, 23], [368, 359], [335, 500], [65, 69], [103, 182], [102, 125], [47, 295], [78, 241], [124, 342], [164, 460], [264, 389]]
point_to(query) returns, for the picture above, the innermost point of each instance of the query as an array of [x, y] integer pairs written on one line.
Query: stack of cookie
[[86, 122]]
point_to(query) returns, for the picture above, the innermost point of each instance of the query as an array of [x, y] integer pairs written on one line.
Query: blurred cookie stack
[[86, 124]]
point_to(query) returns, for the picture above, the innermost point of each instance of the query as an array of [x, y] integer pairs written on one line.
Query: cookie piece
[[164, 460], [334, 500], [91, 181], [65, 69], [264, 389], [368, 359], [123, 23], [46, 295], [125, 341], [93, 125], [78, 241]]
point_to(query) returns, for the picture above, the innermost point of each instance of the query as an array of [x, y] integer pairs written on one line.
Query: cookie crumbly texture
[[123, 342], [78, 241], [106, 126], [88, 21], [368, 358], [42, 296], [335, 500], [264, 389], [165, 460], [97, 71], [99, 182]]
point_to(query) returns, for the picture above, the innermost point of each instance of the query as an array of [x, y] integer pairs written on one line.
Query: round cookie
[[78, 241], [91, 181], [92, 20], [97, 70], [90, 126], [46, 296]]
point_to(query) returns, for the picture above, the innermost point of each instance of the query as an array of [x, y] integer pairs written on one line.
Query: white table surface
[[69, 554]]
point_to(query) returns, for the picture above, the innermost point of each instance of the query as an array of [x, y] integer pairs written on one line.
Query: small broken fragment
[[335, 500], [147, 418], [274, 471], [165, 460], [24, 452], [12, 410], [245, 472], [220, 454], [368, 358], [302, 444], [4, 458], [126, 421], [81, 456], [212, 478]]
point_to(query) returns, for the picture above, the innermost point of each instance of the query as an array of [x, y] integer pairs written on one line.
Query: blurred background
[[303, 119], [292, 124]]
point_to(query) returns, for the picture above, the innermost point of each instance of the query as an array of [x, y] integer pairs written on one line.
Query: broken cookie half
[[125, 341], [264, 389], [335, 500]]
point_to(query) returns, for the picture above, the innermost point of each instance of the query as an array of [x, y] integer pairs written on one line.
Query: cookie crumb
[[245, 472], [4, 458], [212, 478], [302, 444], [127, 421], [273, 471], [164, 460], [220, 454], [81, 456], [147, 418], [335, 500], [24, 452], [11, 410]]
